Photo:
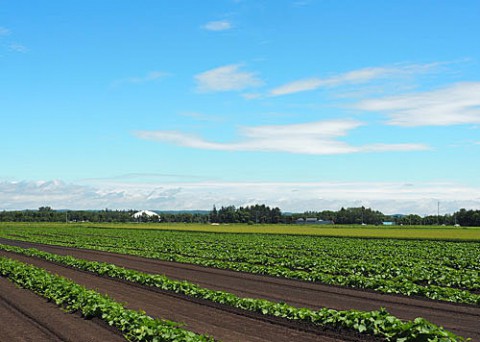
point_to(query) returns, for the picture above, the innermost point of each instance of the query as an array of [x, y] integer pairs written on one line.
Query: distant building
[[388, 223], [312, 220], [143, 213]]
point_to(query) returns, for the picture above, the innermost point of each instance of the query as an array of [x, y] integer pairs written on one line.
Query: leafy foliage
[[250, 214], [448, 271], [379, 323], [135, 325]]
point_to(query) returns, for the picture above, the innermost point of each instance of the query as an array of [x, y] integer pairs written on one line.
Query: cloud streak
[[453, 105], [4, 31], [220, 25], [359, 76], [12, 45], [149, 77], [18, 48], [316, 138], [226, 78]]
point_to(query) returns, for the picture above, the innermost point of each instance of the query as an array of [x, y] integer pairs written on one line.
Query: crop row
[[135, 325], [379, 323], [448, 271]]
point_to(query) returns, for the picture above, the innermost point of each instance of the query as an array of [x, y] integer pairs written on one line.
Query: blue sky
[[305, 105]]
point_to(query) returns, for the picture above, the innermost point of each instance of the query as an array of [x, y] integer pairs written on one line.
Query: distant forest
[[256, 214]]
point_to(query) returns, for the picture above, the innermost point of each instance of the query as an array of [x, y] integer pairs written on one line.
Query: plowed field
[[229, 324], [25, 316], [223, 323]]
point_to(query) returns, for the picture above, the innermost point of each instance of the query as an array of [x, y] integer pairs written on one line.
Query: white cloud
[[149, 77], [27, 194], [389, 198], [220, 25], [454, 105], [309, 138], [4, 31], [12, 46], [18, 48], [226, 78], [352, 77], [202, 117], [251, 96], [300, 3]]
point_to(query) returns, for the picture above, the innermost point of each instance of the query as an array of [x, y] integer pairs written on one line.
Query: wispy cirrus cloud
[[18, 48], [251, 96], [226, 78], [12, 46], [300, 3], [317, 138], [359, 76], [149, 77], [202, 117], [219, 25], [4, 31], [453, 105]]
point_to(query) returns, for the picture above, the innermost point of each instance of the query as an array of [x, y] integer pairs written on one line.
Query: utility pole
[[438, 213]]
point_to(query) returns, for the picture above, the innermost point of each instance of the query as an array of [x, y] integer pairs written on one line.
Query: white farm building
[[142, 213]]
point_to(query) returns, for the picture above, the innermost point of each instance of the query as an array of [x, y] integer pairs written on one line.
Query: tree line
[[47, 214], [463, 217], [250, 214], [254, 214]]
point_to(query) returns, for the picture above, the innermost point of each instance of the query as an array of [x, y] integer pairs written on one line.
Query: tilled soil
[[461, 319], [25, 316], [221, 322]]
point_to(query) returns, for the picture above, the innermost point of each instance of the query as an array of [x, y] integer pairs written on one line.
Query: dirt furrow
[[461, 319], [218, 321], [24, 316]]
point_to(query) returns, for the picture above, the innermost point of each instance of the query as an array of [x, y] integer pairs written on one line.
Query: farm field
[[240, 171], [227, 326], [73, 297], [439, 271], [396, 232], [29, 316], [459, 319]]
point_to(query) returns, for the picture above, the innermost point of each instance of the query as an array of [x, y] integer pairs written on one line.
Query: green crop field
[[444, 270], [138, 327], [438, 263], [395, 232]]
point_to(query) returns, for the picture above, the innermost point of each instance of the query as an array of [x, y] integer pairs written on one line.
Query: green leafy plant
[[135, 325], [379, 323], [439, 270]]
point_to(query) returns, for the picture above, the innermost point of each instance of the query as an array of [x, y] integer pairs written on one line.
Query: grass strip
[[135, 325], [377, 323]]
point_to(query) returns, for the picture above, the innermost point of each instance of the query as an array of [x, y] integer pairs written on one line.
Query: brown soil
[[221, 322], [25, 316], [460, 319]]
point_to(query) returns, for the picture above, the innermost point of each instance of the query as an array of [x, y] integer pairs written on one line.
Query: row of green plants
[[448, 271], [135, 325], [377, 323]]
